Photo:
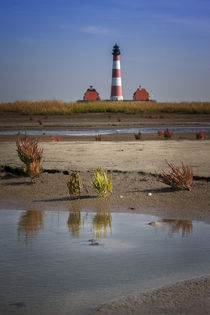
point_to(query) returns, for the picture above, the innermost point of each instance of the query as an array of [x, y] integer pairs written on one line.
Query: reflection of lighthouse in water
[[116, 90]]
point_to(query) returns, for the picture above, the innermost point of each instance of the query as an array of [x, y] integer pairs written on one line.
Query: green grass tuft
[[100, 182]]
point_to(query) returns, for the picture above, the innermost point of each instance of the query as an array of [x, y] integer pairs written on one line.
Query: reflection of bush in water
[[30, 223], [185, 226], [100, 222], [74, 223]]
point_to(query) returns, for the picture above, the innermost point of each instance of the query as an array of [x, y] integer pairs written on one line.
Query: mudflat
[[134, 165]]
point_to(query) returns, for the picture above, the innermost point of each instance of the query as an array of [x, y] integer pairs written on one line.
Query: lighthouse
[[116, 90]]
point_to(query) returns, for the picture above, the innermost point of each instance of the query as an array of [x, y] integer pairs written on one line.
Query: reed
[[51, 107]]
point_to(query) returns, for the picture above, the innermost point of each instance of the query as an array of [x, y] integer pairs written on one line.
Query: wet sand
[[187, 297], [133, 165]]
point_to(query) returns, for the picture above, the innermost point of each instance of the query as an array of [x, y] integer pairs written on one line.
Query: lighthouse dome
[[116, 50]]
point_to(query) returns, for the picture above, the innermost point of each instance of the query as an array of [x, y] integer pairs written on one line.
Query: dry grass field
[[67, 108]]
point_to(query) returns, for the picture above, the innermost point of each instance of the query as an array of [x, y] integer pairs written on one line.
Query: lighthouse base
[[116, 98]]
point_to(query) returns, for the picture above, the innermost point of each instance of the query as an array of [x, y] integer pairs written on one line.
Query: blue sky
[[55, 49]]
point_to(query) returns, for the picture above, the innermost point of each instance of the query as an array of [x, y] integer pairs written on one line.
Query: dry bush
[[98, 137], [30, 154], [137, 135], [179, 179], [167, 134], [74, 184], [200, 135]]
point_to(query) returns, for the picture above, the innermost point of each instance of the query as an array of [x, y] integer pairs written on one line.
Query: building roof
[[91, 94], [141, 94]]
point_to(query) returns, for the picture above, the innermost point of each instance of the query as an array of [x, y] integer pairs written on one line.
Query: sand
[[187, 297], [130, 156]]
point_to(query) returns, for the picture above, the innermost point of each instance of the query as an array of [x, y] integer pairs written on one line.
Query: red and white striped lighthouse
[[116, 90]]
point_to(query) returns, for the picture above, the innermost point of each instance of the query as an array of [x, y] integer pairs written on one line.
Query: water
[[95, 132], [48, 265]]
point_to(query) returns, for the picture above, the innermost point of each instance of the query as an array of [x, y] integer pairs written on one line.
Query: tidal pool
[[176, 129], [71, 262]]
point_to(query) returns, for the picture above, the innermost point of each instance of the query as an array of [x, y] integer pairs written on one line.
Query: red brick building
[[141, 95], [91, 95]]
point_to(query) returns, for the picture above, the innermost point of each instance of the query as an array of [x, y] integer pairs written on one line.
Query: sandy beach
[[134, 165]]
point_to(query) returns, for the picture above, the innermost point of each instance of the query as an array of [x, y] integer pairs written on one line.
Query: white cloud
[[97, 30], [91, 29]]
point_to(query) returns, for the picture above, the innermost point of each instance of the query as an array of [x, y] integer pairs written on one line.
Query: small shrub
[[58, 139], [160, 133], [100, 182], [98, 137], [40, 121], [200, 135], [167, 134], [179, 179], [30, 154], [74, 184], [137, 135], [52, 137]]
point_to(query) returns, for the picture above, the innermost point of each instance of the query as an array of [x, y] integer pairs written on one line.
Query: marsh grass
[[47, 107]]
